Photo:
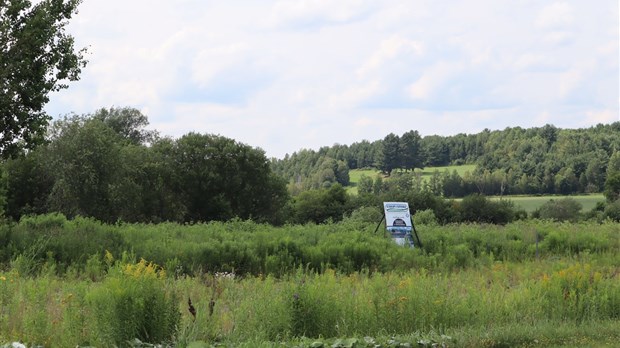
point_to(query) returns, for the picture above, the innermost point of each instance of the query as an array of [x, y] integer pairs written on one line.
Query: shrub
[[612, 211], [134, 302], [565, 209], [425, 217], [478, 208]]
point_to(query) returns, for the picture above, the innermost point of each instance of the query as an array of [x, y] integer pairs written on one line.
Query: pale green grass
[[461, 170], [531, 203], [356, 174]]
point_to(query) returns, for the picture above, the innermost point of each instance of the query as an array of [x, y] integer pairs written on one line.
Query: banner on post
[[398, 222]]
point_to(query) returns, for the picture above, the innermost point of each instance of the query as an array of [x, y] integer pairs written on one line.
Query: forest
[[107, 165]]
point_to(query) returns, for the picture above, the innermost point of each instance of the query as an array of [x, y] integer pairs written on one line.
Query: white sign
[[397, 214], [398, 221]]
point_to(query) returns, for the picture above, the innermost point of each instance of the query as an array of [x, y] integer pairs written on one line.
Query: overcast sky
[[286, 75]]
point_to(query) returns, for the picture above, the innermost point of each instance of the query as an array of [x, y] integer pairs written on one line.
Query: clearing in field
[[531, 203], [356, 174]]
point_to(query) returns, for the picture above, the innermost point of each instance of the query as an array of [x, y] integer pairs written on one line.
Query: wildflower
[[3, 278]]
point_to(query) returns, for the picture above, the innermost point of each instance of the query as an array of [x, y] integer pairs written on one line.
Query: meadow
[[527, 203], [531, 283], [426, 173], [531, 203]]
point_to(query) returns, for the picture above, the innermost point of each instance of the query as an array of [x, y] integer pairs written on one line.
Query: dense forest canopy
[[108, 166], [544, 160]]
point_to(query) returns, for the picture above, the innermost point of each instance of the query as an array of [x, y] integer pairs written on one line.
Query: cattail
[[191, 308], [211, 305]]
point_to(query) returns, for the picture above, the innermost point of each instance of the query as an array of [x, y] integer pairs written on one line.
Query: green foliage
[[612, 210], [128, 123], [390, 154], [565, 209], [99, 166], [331, 283], [37, 57], [425, 217], [133, 302], [477, 208], [612, 186], [68, 242], [321, 205], [3, 192], [84, 157], [29, 183]]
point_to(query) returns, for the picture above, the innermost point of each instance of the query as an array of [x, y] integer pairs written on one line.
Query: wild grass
[[527, 283], [476, 307]]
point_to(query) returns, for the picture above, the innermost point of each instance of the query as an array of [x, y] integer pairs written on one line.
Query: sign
[[398, 222]]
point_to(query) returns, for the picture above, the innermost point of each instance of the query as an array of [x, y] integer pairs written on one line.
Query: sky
[[301, 74]]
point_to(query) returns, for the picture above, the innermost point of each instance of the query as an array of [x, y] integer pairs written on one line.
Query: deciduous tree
[[37, 57]]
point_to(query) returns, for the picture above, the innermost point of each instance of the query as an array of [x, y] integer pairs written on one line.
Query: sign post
[[398, 223]]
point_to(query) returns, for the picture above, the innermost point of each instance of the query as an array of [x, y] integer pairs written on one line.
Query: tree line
[[106, 165], [543, 160]]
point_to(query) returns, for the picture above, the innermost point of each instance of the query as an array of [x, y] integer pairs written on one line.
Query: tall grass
[[54, 312], [248, 248], [255, 283]]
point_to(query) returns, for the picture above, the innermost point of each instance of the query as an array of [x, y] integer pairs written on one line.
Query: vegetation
[[111, 235], [545, 282], [544, 160], [37, 57]]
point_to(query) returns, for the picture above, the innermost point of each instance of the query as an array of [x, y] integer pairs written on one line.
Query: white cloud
[[600, 116], [285, 75], [390, 49], [317, 12], [209, 62], [556, 15]]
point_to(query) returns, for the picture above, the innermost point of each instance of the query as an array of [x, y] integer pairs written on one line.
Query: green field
[[531, 203], [461, 170], [356, 174], [527, 203]]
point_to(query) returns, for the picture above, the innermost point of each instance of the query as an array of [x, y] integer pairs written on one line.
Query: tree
[[85, 159], [612, 187], [222, 179], [410, 153], [36, 57], [129, 123], [390, 154], [29, 183]]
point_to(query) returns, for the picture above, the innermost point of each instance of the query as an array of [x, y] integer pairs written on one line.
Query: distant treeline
[[107, 166], [545, 160]]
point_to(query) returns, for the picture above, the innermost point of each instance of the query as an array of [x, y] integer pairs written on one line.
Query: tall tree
[[128, 122], [37, 57], [390, 153], [85, 158], [410, 153]]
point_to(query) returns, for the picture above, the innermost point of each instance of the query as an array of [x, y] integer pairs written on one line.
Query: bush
[[612, 211], [478, 208], [565, 209], [134, 302], [425, 217], [67, 242]]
